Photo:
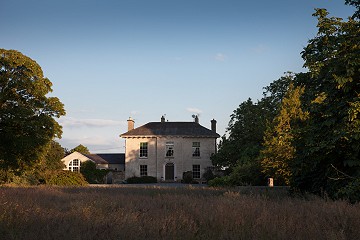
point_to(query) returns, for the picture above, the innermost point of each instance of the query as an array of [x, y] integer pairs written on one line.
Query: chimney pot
[[162, 118]]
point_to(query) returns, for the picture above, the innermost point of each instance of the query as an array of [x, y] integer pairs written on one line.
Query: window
[[169, 149], [196, 149], [196, 171], [143, 170], [74, 165], [144, 150]]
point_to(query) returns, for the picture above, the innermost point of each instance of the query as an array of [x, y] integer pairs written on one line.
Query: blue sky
[[112, 59]]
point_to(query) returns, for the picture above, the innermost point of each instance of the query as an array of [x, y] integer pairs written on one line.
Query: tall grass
[[170, 213]]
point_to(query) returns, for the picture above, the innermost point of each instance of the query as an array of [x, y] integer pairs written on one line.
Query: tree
[[27, 123], [240, 151], [279, 149], [81, 149], [54, 154], [328, 146]]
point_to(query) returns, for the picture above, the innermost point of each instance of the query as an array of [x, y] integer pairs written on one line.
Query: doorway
[[169, 172]]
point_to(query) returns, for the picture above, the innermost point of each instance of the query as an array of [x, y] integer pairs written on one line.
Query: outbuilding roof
[[107, 158], [184, 129]]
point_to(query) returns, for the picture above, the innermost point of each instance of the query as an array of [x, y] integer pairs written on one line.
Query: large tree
[[328, 146], [27, 123]]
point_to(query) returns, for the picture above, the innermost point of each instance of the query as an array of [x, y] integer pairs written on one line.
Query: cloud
[[220, 57], [259, 49], [74, 123], [194, 110]]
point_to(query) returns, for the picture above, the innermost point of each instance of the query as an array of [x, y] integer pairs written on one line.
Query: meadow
[[133, 212]]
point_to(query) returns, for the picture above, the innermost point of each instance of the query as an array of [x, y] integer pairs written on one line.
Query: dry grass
[[168, 213]]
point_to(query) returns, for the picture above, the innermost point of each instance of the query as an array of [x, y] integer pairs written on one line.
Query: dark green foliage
[[187, 177], [81, 149], [225, 181], [327, 142], [350, 192], [54, 154], [208, 175], [66, 178], [143, 179], [27, 123], [91, 174]]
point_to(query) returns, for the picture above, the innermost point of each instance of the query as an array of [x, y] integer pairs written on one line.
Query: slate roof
[[184, 129], [107, 158]]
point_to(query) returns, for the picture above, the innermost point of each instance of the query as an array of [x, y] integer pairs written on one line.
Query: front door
[[169, 172]]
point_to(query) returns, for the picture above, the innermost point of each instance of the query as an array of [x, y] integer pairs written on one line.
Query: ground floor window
[[143, 170], [74, 165], [196, 171]]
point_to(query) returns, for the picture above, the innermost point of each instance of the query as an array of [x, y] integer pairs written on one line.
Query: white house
[[109, 161], [166, 150]]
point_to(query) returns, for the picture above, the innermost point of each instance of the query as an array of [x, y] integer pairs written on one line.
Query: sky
[[114, 59]]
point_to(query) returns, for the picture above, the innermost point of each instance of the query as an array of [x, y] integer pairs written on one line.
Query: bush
[[91, 174], [208, 175], [221, 182], [187, 177], [66, 178], [143, 179], [350, 192]]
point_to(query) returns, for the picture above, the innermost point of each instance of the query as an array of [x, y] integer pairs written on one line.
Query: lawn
[[128, 212]]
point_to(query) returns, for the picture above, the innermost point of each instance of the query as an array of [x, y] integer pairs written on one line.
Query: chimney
[[213, 125], [130, 124], [162, 118], [196, 119]]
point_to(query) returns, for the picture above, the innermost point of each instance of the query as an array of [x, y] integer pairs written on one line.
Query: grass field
[[128, 212]]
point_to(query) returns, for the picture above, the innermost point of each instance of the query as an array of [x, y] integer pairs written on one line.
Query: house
[[166, 150], [109, 161]]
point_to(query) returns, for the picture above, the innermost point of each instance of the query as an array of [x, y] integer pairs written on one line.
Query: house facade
[[166, 150]]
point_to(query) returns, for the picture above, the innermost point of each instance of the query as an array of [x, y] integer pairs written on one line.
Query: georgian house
[[166, 150]]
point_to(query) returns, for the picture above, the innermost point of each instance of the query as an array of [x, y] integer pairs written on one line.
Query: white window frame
[[143, 151], [74, 165]]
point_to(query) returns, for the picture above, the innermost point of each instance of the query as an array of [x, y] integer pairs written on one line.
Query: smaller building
[[108, 161]]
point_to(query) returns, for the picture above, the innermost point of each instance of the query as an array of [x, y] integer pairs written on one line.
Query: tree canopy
[[27, 123], [311, 137]]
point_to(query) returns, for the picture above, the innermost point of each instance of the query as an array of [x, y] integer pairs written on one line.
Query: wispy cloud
[[259, 49], [220, 57], [74, 122], [194, 110]]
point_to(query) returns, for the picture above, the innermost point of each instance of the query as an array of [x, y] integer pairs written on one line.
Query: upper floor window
[[143, 150], [169, 149], [74, 165], [196, 149]]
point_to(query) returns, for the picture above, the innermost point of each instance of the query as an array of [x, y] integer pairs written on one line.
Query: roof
[[113, 158], [107, 158], [185, 129]]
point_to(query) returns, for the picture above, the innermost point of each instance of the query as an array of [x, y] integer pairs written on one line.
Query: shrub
[[143, 179], [187, 177], [208, 175], [91, 174], [221, 182], [66, 178], [351, 192]]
